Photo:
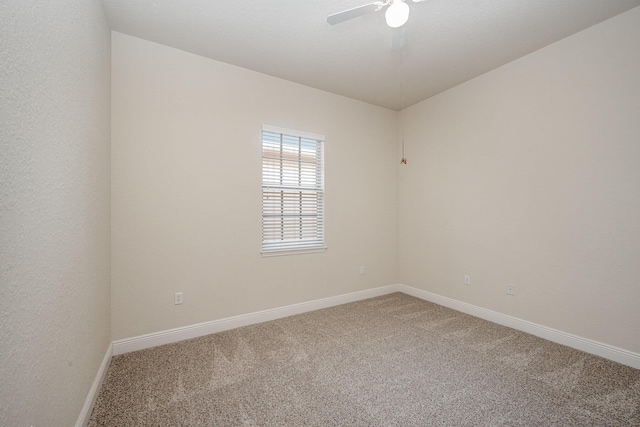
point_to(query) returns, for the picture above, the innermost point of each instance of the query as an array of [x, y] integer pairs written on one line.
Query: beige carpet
[[394, 360]]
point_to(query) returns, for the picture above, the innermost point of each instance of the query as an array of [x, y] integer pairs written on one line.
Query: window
[[292, 192]]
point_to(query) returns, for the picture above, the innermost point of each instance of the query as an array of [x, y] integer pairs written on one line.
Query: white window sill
[[286, 252]]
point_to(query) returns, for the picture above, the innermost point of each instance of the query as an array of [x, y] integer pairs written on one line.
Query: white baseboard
[[192, 331], [594, 347], [85, 413]]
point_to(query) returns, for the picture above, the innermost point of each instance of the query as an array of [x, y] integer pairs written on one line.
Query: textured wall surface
[[530, 175], [186, 190], [54, 207]]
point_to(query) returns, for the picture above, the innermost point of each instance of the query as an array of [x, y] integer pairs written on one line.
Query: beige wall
[[54, 208], [186, 196], [530, 174]]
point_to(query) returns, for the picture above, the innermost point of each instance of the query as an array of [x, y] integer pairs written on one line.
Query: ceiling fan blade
[[399, 38], [345, 15]]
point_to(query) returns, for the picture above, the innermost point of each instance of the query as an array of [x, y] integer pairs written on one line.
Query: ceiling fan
[[396, 15]]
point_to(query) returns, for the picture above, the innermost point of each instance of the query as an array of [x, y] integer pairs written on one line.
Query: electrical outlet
[[467, 280], [511, 289], [362, 270], [177, 299]]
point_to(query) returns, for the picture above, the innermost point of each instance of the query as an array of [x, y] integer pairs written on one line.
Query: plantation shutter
[[292, 190]]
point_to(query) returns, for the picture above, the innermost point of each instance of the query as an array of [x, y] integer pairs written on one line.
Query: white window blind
[[292, 190]]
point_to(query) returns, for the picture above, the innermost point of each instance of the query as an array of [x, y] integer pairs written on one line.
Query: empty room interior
[[308, 213]]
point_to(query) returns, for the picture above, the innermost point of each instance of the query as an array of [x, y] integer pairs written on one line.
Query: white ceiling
[[449, 41]]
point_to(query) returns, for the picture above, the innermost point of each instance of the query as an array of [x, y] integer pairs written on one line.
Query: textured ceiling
[[448, 41]]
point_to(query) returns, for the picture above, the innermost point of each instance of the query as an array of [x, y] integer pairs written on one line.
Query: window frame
[[315, 193]]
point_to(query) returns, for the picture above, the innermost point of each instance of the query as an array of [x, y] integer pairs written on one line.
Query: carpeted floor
[[394, 360]]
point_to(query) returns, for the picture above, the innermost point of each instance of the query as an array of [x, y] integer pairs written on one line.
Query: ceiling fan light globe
[[397, 14]]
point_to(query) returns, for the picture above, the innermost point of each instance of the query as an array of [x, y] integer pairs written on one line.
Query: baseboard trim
[[193, 331], [594, 347], [85, 413]]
